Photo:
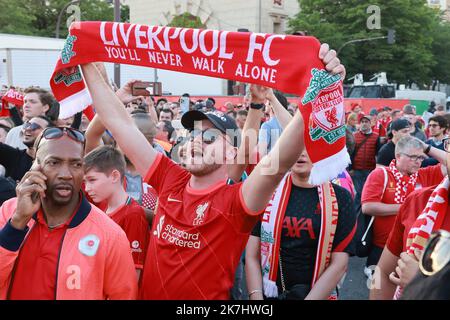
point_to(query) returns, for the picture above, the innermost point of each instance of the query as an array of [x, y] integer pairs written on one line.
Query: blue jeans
[[359, 178], [239, 292]]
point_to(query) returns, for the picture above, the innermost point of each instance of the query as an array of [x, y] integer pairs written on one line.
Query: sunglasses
[[209, 136], [57, 132], [436, 254], [31, 126]]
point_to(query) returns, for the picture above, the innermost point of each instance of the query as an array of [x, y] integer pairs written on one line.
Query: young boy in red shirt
[[104, 174]]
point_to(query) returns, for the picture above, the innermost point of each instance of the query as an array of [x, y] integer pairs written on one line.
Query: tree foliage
[[39, 17], [186, 20], [14, 17], [422, 40]]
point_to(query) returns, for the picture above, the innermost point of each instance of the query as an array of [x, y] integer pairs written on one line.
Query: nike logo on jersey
[[169, 199]]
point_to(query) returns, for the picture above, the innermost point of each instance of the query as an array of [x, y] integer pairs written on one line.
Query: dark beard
[[205, 170], [29, 144]]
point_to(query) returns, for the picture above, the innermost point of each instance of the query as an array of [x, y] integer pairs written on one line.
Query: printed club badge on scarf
[[288, 63], [323, 108]]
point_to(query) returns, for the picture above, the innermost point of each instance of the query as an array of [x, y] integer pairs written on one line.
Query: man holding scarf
[[202, 224], [367, 144], [387, 188]]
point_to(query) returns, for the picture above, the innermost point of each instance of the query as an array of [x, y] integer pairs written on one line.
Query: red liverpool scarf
[[429, 220], [288, 63], [13, 97]]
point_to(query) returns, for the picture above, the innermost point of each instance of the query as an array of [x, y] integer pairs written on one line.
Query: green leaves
[[420, 54], [187, 20], [14, 17], [39, 17]]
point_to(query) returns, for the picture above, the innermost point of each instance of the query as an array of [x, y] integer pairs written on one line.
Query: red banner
[[13, 97]]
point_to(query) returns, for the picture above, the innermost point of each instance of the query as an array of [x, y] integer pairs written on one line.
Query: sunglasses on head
[[31, 126], [436, 254], [57, 132]]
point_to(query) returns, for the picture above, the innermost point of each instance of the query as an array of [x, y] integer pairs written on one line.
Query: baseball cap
[[354, 105], [373, 112], [400, 124], [220, 121], [364, 117]]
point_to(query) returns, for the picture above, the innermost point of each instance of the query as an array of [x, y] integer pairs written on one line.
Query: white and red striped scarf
[[404, 184], [272, 225], [428, 221]]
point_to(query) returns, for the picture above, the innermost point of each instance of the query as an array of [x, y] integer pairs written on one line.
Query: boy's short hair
[[242, 113], [105, 159]]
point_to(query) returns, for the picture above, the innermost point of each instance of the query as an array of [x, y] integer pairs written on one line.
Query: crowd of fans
[[394, 153]]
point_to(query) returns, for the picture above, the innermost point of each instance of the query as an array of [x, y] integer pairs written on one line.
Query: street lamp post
[[260, 15], [117, 65], [359, 40], [390, 37], [58, 23]]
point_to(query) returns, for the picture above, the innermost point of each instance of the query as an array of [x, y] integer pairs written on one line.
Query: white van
[[428, 95]]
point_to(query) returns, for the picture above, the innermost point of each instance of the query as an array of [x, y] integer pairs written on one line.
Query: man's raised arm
[[262, 182], [112, 113]]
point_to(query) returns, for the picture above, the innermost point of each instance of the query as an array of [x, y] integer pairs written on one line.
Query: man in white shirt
[[37, 102]]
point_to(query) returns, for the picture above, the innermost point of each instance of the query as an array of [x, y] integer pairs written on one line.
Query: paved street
[[355, 283]]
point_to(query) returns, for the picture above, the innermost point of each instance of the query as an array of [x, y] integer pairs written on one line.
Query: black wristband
[[427, 150], [257, 106]]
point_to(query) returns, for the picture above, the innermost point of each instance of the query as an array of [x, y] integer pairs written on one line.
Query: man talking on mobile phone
[[53, 243]]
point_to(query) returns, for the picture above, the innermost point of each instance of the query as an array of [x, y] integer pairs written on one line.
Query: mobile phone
[[146, 88], [184, 104], [35, 195]]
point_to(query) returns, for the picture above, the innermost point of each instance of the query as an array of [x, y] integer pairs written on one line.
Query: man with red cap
[[356, 108], [367, 144]]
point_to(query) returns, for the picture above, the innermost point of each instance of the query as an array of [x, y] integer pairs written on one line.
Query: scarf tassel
[[325, 170], [270, 288], [74, 103]]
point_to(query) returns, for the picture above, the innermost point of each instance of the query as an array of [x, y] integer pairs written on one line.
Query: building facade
[[267, 16], [443, 5]]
